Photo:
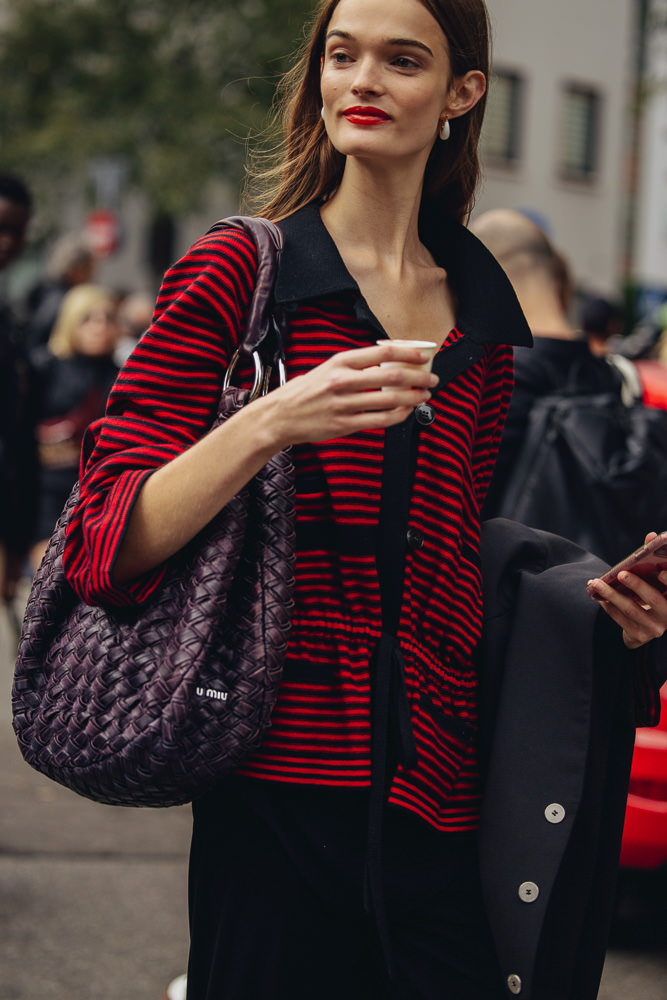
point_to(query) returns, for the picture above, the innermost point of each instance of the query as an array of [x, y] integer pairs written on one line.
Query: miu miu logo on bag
[[211, 693]]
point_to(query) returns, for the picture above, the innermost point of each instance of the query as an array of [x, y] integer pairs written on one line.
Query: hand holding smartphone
[[646, 561]]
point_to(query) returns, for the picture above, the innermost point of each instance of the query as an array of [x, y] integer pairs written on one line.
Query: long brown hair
[[305, 166]]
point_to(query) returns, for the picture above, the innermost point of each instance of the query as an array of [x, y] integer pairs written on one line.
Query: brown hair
[[306, 165]]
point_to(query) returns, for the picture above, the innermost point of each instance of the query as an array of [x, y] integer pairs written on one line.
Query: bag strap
[[264, 335], [631, 386]]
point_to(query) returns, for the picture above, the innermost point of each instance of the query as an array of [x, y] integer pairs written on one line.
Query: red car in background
[[645, 831]]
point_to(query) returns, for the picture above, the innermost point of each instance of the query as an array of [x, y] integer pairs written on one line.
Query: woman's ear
[[465, 92]]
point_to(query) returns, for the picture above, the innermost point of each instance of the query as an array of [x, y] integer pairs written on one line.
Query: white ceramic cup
[[423, 345]]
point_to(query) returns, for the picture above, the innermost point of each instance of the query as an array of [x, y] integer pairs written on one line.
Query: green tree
[[176, 89]]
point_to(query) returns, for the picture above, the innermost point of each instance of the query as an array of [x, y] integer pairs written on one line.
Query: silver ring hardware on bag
[[258, 387], [263, 374]]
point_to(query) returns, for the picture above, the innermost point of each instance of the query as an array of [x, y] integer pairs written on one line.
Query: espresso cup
[[422, 345]]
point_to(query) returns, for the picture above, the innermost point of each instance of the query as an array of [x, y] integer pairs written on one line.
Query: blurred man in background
[[72, 262], [581, 455], [18, 465]]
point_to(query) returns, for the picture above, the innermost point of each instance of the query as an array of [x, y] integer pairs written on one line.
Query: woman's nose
[[367, 77]]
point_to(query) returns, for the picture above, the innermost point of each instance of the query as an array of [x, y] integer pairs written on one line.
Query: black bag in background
[[593, 469]]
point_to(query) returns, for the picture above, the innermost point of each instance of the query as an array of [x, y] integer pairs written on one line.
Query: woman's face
[[98, 332], [386, 79]]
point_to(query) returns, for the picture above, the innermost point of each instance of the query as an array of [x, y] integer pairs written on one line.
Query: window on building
[[502, 123], [580, 131]]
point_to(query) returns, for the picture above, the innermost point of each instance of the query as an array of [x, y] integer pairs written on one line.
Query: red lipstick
[[365, 115]]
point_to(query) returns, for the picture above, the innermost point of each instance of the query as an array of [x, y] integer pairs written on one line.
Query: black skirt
[[277, 907]]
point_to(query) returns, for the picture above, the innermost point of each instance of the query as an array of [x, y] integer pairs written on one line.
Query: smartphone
[[646, 561]]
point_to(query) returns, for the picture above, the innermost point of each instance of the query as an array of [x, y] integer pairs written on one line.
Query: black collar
[[488, 309]]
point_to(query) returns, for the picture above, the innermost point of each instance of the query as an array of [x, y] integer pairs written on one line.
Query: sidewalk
[[93, 899]]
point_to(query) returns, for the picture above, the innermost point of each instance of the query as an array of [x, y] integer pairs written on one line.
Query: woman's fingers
[[373, 400], [367, 357], [351, 392], [642, 617], [379, 367]]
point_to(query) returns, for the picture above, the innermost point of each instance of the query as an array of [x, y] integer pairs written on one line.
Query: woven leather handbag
[[153, 706]]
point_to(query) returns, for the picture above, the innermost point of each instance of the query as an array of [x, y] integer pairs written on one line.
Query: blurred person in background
[[538, 273], [18, 469], [602, 324], [644, 338], [651, 363], [75, 373], [135, 312], [582, 455], [71, 263], [643, 351], [563, 281]]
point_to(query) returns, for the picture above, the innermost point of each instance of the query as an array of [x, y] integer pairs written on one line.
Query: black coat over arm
[[560, 698]]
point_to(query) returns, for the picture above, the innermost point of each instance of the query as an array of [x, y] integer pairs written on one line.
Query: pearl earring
[[445, 130], [322, 112]]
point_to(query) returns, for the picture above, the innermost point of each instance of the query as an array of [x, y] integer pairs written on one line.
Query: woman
[[293, 892], [74, 375]]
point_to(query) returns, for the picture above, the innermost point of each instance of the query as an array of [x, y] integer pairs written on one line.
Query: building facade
[[558, 142], [650, 245], [558, 135]]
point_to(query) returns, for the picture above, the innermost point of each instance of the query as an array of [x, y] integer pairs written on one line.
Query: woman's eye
[[340, 57], [404, 62]]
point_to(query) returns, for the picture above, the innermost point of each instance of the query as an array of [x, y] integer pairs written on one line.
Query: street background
[[93, 899]]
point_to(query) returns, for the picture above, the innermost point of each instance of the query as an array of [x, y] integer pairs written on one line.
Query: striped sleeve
[[163, 401]]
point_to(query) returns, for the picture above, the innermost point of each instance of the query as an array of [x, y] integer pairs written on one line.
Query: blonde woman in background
[[75, 373], [71, 263]]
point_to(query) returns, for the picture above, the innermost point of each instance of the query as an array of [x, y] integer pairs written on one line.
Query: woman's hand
[[643, 617], [348, 393]]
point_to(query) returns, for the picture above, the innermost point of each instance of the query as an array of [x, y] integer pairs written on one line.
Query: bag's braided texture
[[129, 707]]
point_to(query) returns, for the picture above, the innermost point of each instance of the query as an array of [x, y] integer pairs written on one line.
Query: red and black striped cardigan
[[164, 400]]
